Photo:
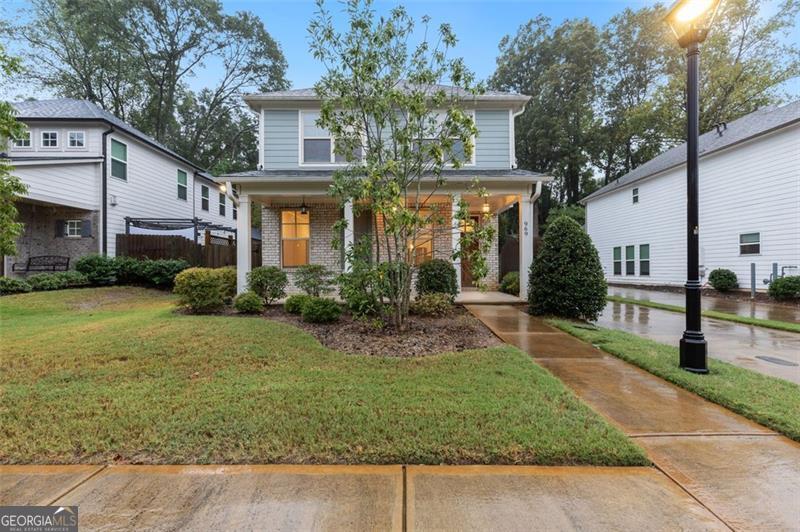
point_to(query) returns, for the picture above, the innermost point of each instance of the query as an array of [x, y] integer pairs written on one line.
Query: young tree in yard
[[10, 186], [397, 127]]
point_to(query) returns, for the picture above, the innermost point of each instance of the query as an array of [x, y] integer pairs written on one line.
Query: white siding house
[[749, 206], [67, 210]]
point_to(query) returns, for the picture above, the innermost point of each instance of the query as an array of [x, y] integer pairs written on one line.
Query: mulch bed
[[425, 336]]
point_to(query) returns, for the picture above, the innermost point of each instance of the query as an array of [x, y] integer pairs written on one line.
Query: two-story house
[[86, 171], [297, 160]]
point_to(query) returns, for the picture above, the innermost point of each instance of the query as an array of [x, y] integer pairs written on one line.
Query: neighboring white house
[[86, 171], [749, 206]]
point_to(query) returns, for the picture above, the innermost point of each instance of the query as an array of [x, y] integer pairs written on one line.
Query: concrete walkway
[[748, 309], [743, 473], [768, 351]]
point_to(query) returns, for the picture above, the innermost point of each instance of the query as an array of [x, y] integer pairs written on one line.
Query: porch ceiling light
[[303, 208], [486, 207], [690, 20]]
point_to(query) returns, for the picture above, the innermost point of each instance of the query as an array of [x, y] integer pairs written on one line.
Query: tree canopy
[[10, 186]]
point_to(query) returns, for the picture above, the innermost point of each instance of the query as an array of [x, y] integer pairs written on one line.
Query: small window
[[119, 160], [618, 261], [222, 204], [49, 139], [23, 141], [234, 211], [204, 197], [72, 228], [750, 244], [76, 139], [630, 260], [644, 259], [636, 195], [182, 186], [295, 235]]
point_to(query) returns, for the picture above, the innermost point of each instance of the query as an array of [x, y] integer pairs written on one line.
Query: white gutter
[[537, 192]]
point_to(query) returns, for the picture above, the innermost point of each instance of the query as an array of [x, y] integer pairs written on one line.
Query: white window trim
[[222, 203], [29, 147], [41, 139], [281, 239], [177, 182], [615, 261], [639, 260], [125, 162], [626, 260], [207, 197], [635, 196], [760, 243], [470, 112], [67, 223], [76, 148]]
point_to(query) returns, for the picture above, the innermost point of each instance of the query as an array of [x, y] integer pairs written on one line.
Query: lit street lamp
[[690, 21]]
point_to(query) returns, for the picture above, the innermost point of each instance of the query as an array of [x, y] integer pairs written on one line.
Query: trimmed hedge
[[510, 283], [13, 286], [99, 269], [313, 279], [432, 305], [723, 280], [785, 288], [57, 280], [437, 276], [566, 278], [294, 304], [248, 303], [321, 310], [267, 281], [201, 289]]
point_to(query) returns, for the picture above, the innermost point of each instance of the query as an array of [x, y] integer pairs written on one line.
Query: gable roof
[[745, 128], [69, 109]]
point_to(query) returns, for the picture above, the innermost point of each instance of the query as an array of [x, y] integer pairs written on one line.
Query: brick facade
[[39, 233]]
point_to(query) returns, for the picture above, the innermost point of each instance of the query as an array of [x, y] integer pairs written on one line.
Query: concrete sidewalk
[[285, 497], [743, 473]]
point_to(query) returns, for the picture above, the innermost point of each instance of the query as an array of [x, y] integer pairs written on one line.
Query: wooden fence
[[216, 252]]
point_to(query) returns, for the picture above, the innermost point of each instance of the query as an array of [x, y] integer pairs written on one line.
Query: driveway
[[768, 351]]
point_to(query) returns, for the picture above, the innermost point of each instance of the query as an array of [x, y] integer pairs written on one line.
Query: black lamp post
[[690, 21]]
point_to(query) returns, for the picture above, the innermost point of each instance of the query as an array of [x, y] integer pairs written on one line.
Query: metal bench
[[42, 263]]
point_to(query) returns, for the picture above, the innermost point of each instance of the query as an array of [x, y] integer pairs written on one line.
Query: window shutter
[[86, 228], [59, 228]]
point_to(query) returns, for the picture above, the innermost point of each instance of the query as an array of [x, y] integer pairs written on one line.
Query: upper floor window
[[204, 198], [119, 159], [750, 244], [76, 139], [317, 145], [618, 261], [182, 185], [457, 151], [49, 139], [295, 234], [635, 195], [630, 260], [23, 141], [222, 204]]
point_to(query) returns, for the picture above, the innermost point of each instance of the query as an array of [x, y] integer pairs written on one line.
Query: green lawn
[[747, 320], [114, 374], [774, 403]]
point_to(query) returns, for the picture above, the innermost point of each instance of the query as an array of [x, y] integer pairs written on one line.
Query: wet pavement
[[750, 309], [743, 345], [743, 473]]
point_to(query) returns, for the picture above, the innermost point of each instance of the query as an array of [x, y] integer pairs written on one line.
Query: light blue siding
[[281, 132], [492, 144]]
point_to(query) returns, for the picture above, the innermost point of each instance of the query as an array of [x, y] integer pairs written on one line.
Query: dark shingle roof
[[70, 109], [316, 176], [744, 128]]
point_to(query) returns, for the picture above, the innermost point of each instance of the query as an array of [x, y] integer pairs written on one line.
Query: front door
[[466, 267]]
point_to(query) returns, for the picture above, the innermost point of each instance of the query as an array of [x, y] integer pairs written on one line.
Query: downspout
[[513, 139], [104, 191], [535, 196]]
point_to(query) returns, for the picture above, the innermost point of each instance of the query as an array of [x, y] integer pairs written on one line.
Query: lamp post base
[[693, 350]]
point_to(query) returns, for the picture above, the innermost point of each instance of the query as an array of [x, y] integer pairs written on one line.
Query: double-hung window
[[750, 244], [618, 261], [630, 260], [644, 259], [49, 139], [72, 228], [119, 159], [76, 139], [457, 151], [204, 197], [222, 204], [635, 195], [234, 211], [182, 185], [318, 147], [23, 141], [295, 235]]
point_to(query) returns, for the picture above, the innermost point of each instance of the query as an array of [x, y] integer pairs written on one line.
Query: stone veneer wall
[[38, 234]]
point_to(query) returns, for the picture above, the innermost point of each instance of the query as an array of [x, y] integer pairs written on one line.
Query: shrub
[[268, 281], [723, 280], [294, 304], [249, 303], [201, 289], [785, 288], [99, 269], [228, 274], [313, 279], [432, 305], [437, 276], [127, 270], [57, 280], [13, 286], [161, 273], [361, 288], [510, 283], [321, 310], [566, 278]]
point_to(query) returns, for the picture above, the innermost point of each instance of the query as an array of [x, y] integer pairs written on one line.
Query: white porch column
[[243, 243], [349, 233], [526, 235], [456, 238]]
